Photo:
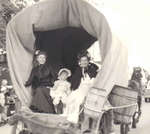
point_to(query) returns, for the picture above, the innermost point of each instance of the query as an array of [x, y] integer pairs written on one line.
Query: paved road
[[144, 125], [142, 128]]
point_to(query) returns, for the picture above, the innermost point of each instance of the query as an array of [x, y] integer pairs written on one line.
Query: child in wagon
[[61, 90]]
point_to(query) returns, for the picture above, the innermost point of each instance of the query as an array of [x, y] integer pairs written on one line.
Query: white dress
[[60, 91], [76, 98]]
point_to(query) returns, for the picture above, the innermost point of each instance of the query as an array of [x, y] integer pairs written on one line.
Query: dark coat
[[91, 70], [41, 75], [40, 79]]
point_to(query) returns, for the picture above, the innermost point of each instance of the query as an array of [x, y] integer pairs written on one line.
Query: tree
[[7, 9]]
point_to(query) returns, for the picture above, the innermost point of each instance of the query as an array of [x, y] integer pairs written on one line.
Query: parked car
[[147, 95]]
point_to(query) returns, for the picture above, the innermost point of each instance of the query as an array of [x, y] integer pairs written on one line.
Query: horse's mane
[[137, 75], [135, 80]]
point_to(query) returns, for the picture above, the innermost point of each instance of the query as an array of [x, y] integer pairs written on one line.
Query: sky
[[130, 21]]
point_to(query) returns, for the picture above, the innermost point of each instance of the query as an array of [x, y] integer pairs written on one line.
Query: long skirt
[[74, 102], [42, 101]]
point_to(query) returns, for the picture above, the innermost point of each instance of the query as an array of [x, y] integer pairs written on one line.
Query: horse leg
[[134, 121], [122, 128]]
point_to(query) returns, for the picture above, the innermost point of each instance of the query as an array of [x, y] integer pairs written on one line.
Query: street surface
[[143, 127]]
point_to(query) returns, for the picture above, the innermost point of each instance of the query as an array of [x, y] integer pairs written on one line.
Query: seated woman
[[81, 82], [61, 90], [41, 79], [85, 70]]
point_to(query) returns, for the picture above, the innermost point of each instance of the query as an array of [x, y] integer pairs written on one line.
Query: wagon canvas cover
[[53, 15]]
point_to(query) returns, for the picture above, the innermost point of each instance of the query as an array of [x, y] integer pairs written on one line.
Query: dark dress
[[41, 79], [91, 70]]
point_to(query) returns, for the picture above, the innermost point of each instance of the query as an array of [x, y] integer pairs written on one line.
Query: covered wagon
[[62, 28]]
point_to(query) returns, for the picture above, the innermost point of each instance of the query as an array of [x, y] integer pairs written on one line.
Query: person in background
[[136, 83], [41, 80], [3, 90], [61, 90]]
